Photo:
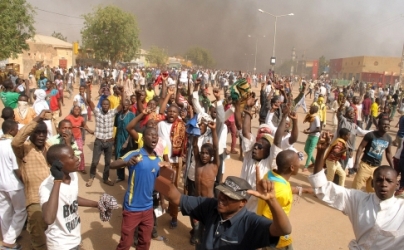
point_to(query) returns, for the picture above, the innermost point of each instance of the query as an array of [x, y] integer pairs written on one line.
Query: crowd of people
[[169, 128]]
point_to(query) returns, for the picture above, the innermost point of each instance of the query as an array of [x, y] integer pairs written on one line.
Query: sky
[[231, 29]]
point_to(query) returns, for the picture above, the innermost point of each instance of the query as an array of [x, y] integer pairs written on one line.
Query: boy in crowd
[[335, 153], [314, 132], [59, 199], [138, 201]]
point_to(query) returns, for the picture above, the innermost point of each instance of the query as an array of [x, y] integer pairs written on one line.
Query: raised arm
[[246, 130], [215, 141], [131, 126], [359, 152], [18, 141], [163, 106], [89, 101]]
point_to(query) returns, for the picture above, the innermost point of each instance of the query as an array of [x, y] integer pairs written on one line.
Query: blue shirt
[[245, 230], [142, 176]]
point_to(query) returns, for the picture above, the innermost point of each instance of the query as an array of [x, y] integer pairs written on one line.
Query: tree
[[59, 35], [199, 56], [16, 27], [112, 33], [157, 55], [322, 65]]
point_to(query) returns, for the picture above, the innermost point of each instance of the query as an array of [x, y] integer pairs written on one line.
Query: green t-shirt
[[10, 99]]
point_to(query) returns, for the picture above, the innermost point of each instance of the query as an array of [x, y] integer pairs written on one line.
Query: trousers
[[36, 227], [131, 220], [99, 147], [12, 214]]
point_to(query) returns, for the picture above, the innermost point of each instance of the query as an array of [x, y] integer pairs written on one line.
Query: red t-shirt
[[76, 124], [53, 99]]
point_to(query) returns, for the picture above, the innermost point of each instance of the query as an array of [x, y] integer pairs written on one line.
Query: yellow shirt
[[149, 95], [114, 101], [374, 109], [284, 196]]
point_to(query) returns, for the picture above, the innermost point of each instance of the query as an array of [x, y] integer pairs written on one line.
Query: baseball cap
[[235, 188]]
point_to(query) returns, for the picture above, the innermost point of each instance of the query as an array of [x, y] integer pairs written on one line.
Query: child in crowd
[[335, 153], [314, 132], [59, 199]]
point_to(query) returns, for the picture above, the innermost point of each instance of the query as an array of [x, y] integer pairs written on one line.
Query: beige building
[[47, 50], [366, 68]]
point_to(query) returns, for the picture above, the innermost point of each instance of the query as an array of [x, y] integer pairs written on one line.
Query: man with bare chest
[[206, 165]]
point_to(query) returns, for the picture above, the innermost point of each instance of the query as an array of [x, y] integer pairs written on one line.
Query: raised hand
[[265, 188], [216, 93], [324, 141], [56, 170], [212, 126]]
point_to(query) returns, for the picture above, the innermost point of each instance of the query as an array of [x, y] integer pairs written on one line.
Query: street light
[[276, 19], [256, 48]]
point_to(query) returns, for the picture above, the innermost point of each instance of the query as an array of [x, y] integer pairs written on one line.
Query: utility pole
[[292, 69]]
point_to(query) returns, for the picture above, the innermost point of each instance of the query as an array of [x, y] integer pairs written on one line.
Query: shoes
[[90, 182], [119, 180], [399, 192], [234, 152], [108, 182], [173, 224], [83, 171], [305, 170]]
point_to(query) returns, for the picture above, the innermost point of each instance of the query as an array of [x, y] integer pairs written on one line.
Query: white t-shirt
[[8, 162], [323, 91], [70, 78], [359, 107], [64, 233], [79, 99], [314, 125], [164, 130]]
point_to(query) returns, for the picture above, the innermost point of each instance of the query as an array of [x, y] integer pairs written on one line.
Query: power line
[[58, 22], [58, 13]]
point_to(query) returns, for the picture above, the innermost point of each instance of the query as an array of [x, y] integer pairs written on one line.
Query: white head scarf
[[40, 103]]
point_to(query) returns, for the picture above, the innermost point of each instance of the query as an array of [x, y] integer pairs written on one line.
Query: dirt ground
[[314, 225]]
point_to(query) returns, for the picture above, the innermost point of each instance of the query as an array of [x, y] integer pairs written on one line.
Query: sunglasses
[[259, 146]]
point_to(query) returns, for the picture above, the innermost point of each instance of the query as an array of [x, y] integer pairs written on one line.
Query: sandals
[[83, 171], [159, 238], [89, 182], [15, 247], [108, 182]]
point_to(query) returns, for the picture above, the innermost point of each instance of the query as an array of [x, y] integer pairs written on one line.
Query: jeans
[[99, 147], [370, 122]]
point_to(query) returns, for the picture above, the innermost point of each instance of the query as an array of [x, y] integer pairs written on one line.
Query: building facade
[[366, 68], [45, 50]]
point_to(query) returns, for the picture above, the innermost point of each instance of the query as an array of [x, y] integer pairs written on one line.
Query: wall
[[41, 53]]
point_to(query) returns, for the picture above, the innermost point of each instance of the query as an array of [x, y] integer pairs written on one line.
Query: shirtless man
[[206, 164]]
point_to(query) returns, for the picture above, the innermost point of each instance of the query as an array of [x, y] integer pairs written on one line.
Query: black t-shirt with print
[[375, 148]]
